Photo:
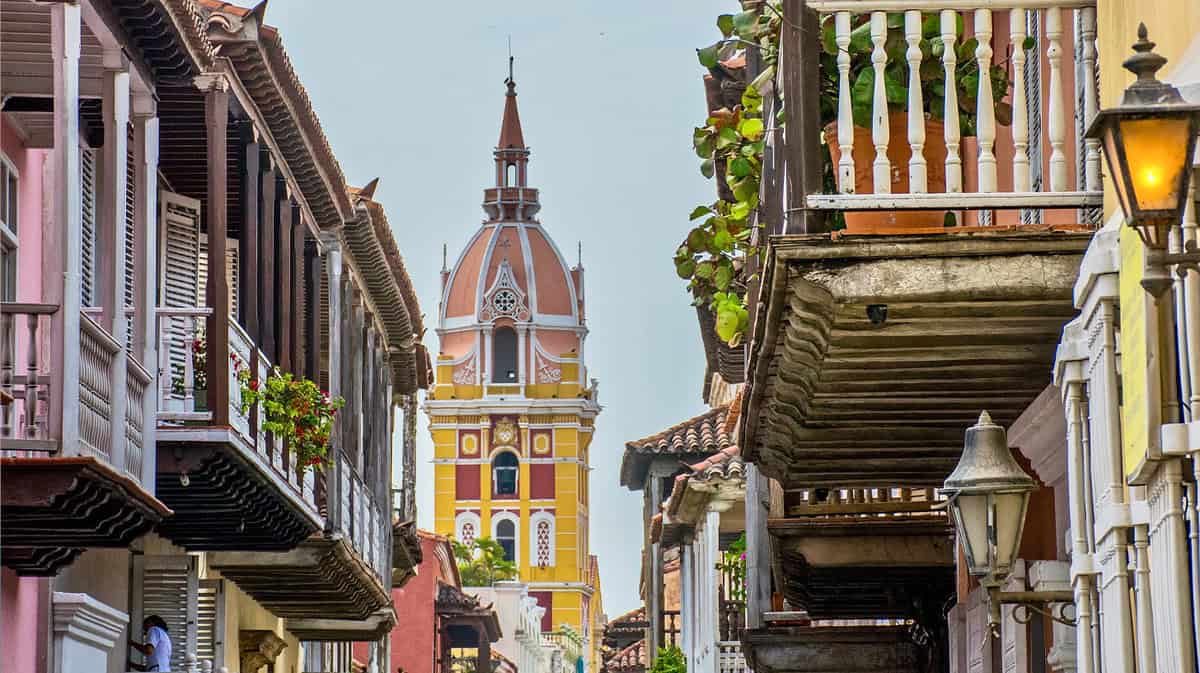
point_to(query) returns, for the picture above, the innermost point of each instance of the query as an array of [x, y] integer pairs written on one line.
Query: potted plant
[[896, 82], [295, 409]]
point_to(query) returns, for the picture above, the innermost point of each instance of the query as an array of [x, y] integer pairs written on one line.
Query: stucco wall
[[20, 617], [413, 638], [104, 575]]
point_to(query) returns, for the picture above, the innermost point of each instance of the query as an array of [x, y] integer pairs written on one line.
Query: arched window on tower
[[506, 535], [504, 355], [511, 171], [504, 474]]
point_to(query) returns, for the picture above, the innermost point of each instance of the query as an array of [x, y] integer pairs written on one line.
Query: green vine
[[733, 564], [730, 145], [669, 660]]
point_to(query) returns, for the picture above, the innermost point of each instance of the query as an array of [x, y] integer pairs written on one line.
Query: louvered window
[[131, 241], [232, 275], [179, 274], [210, 622], [87, 199], [8, 230], [170, 590]]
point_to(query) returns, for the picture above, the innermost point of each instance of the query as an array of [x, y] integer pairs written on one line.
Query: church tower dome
[[511, 275]]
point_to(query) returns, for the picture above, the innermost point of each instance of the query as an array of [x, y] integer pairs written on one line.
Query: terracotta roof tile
[[701, 435], [632, 658]]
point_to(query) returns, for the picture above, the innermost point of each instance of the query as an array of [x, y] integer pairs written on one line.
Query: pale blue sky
[[609, 91]]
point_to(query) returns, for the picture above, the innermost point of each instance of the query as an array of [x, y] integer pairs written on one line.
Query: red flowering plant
[[295, 409]]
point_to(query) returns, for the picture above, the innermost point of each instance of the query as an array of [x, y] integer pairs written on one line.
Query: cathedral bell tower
[[512, 411]]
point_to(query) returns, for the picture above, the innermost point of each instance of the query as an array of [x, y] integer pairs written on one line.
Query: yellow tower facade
[[512, 412]]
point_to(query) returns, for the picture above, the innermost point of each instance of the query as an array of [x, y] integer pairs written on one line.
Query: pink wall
[[29, 165], [413, 639], [20, 622]]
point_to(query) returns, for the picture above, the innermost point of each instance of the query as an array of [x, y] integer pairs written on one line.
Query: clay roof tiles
[[631, 658], [698, 436]]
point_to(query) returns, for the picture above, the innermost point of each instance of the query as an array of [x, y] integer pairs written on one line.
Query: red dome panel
[[464, 284], [550, 276]]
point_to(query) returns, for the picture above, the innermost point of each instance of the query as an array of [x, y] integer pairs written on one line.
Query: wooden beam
[[248, 248], [312, 314], [298, 284], [216, 114], [283, 265], [269, 224]]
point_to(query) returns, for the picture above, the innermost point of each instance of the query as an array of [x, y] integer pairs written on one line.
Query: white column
[[1170, 592], [145, 138], [522, 342], [687, 600], [85, 631], [985, 114], [488, 344], [64, 44], [1057, 125], [1020, 111], [917, 175], [949, 26], [1141, 586], [880, 133], [1056, 576], [112, 223]]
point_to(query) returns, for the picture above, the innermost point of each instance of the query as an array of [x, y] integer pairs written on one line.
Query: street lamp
[[1149, 141], [988, 495]]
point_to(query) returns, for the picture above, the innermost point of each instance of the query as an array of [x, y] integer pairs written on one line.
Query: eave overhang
[[972, 321], [256, 53], [54, 508], [323, 578]]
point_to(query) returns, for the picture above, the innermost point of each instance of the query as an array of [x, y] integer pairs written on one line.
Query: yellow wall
[[571, 435], [1171, 24]]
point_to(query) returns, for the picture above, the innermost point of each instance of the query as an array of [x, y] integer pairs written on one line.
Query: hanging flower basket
[[294, 409]]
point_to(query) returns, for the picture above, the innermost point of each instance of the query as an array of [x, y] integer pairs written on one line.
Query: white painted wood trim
[[971, 201], [1020, 120], [1057, 128], [918, 182], [881, 168], [985, 108], [65, 46], [845, 117], [949, 27]]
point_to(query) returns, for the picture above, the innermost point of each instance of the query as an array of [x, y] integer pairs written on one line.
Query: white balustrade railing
[[137, 383], [358, 517], [1026, 164], [97, 352], [730, 658], [182, 348], [25, 379], [240, 349]]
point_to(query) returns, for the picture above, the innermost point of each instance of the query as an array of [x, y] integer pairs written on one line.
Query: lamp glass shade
[[1010, 522], [970, 512], [1156, 158]]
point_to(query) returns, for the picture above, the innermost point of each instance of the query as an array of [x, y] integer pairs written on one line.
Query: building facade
[[512, 411], [135, 480]]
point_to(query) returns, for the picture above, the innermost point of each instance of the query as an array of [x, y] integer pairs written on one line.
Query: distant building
[[512, 413]]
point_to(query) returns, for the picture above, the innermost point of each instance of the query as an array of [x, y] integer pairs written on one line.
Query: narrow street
[[694, 336]]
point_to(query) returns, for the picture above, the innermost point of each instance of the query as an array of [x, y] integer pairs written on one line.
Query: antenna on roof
[[510, 58], [580, 264]]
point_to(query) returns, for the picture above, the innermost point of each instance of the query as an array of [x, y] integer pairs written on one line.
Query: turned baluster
[[6, 372], [33, 367], [1057, 122], [917, 174], [949, 21], [1087, 34], [881, 168], [985, 106], [1020, 107], [845, 118]]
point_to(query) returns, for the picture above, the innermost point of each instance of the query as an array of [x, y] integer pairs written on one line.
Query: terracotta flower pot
[[899, 152]]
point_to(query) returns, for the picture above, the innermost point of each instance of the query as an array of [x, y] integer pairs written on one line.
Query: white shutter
[[210, 622], [131, 238], [232, 272], [179, 224], [87, 189], [170, 589]]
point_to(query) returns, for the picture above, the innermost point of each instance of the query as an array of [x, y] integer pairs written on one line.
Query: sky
[[609, 91]]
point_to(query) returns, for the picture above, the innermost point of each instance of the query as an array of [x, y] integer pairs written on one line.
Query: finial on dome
[[512, 83]]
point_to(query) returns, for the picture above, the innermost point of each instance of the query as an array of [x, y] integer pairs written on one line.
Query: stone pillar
[[1056, 576], [85, 631]]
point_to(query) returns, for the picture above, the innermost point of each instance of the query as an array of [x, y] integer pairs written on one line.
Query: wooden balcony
[[335, 584], [866, 553], [231, 484], [74, 466], [952, 152]]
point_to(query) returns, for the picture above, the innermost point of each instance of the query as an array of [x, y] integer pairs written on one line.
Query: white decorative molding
[[85, 630], [465, 375], [536, 522], [504, 299]]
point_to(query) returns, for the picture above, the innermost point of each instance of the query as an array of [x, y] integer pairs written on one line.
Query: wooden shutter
[[232, 272], [170, 589], [210, 622], [87, 189]]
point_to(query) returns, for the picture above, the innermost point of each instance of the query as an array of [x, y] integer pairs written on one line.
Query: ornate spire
[[510, 129]]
